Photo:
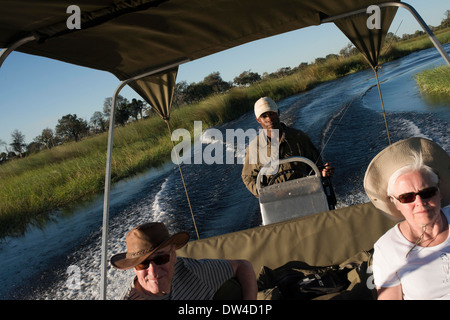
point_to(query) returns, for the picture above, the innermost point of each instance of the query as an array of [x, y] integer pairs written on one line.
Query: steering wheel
[[267, 166], [277, 175]]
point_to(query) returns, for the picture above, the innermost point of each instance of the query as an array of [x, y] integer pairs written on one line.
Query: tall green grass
[[435, 81], [33, 186], [403, 48]]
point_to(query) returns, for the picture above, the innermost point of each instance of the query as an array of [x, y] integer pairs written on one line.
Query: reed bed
[[435, 81]]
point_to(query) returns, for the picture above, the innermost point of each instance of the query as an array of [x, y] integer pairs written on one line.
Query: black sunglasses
[[411, 196], [158, 260]]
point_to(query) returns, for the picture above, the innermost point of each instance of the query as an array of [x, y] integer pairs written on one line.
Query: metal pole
[[5, 52], [415, 14], [105, 225], [424, 26]]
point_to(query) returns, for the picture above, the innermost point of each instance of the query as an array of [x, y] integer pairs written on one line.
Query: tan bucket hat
[[396, 156], [144, 240], [264, 104]]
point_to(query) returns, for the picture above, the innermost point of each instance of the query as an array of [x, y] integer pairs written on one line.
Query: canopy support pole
[[424, 26], [422, 23], [105, 225], [382, 104], [5, 52], [415, 14]]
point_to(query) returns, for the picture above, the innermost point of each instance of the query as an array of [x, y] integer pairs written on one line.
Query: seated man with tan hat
[[409, 181], [161, 275], [291, 142]]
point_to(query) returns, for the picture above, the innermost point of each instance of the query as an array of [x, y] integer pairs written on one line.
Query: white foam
[[158, 210], [412, 130], [210, 137]]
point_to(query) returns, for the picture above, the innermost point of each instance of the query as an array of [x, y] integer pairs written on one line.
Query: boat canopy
[[132, 37]]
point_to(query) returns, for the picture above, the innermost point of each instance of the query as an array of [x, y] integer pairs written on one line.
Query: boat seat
[[291, 199]]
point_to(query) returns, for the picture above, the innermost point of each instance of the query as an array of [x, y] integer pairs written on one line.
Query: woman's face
[[420, 211]]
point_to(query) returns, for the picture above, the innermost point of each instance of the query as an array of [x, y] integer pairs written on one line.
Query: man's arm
[[249, 175], [327, 170], [243, 271], [250, 184]]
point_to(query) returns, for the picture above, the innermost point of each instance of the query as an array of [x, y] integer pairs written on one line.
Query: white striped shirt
[[192, 280]]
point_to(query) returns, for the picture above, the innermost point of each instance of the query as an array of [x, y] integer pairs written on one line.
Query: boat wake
[[425, 125]]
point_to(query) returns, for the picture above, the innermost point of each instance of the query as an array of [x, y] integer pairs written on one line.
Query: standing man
[[291, 142]]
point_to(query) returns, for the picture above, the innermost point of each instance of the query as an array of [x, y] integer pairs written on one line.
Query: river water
[[342, 117]]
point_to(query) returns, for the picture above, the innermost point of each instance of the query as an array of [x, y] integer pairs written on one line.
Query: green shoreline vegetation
[[435, 81], [31, 187]]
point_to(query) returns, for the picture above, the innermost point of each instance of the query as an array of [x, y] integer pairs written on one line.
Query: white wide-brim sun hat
[[396, 156]]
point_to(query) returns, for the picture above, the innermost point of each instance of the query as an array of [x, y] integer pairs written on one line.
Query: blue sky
[[35, 92]]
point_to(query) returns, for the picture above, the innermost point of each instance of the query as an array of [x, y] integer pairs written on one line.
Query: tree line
[[72, 128]]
